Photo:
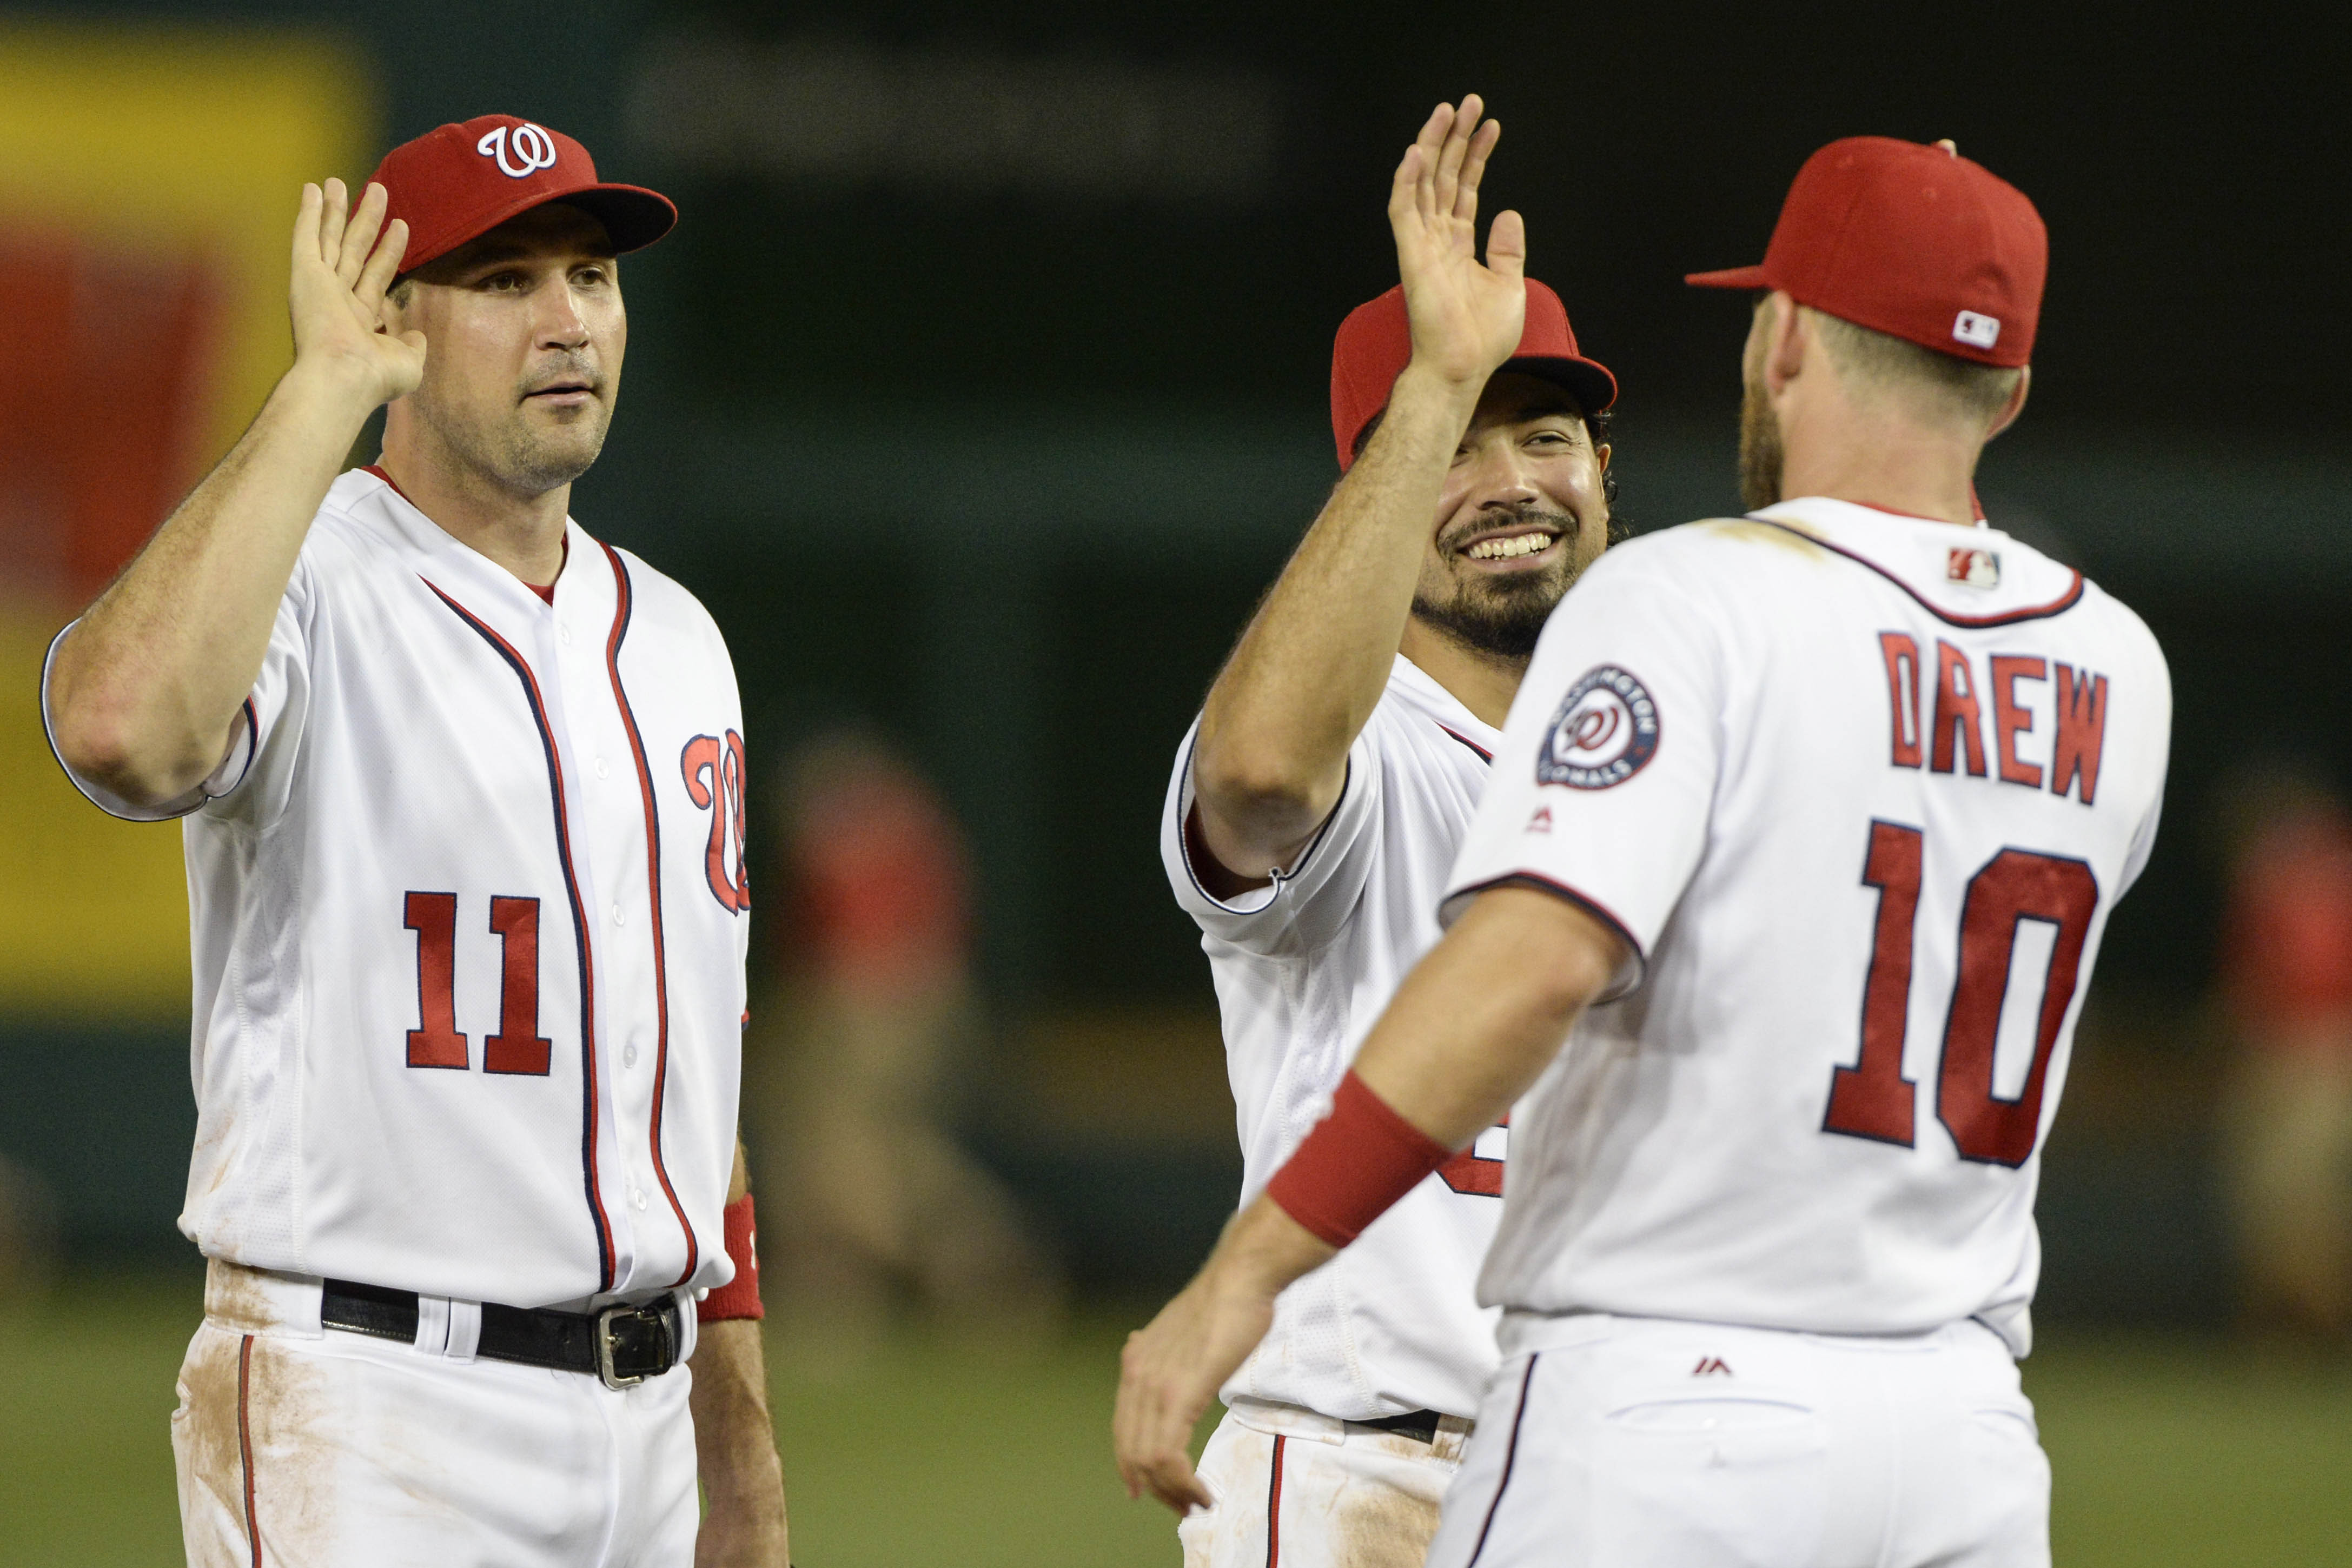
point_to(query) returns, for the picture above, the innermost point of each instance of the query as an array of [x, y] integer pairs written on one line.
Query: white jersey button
[[628, 1056], [620, 915], [565, 633], [637, 1197], [602, 771]]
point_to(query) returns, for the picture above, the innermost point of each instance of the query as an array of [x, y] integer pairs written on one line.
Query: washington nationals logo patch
[[1605, 732]]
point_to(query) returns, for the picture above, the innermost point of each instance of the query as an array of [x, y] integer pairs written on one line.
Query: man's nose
[[561, 324], [1502, 475]]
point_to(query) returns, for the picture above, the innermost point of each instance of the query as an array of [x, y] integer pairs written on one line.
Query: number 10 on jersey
[[1871, 1099]]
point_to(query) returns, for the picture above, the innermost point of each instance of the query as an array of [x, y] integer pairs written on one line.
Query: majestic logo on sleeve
[[714, 782], [1606, 731]]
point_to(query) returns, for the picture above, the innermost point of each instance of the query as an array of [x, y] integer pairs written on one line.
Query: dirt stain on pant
[[246, 1441], [1373, 1524]]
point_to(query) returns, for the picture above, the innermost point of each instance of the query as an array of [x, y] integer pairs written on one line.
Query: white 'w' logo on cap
[[534, 149]]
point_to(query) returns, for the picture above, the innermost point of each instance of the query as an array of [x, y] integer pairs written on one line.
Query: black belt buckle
[[634, 1343]]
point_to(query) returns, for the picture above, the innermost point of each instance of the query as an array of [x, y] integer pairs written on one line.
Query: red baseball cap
[[457, 182], [1912, 241], [1375, 342]]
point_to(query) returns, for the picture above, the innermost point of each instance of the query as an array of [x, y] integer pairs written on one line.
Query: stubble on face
[[524, 450]]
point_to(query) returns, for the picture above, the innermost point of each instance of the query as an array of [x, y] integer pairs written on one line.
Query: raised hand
[[342, 269], [1466, 317]]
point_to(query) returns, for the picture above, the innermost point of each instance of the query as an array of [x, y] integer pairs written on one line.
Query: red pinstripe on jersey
[[605, 1262], [626, 602]]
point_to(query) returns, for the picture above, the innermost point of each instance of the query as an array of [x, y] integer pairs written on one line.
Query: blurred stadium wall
[[143, 174], [980, 394]]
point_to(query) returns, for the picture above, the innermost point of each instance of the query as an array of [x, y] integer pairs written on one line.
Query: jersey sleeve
[[256, 722], [274, 712], [2143, 843], [1306, 904], [1605, 780]]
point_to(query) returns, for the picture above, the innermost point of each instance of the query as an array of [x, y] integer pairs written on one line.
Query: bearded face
[[1498, 615], [1525, 510]]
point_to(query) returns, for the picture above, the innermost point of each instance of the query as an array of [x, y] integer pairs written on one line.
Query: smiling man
[[460, 791], [1314, 814]]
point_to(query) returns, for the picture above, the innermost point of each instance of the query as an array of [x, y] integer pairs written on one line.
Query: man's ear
[[1790, 342], [397, 301], [1601, 455], [2016, 404]]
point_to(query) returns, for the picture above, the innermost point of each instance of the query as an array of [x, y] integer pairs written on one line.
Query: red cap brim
[[1734, 277]]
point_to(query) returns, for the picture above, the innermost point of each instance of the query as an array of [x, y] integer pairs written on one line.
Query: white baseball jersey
[[468, 924], [1860, 791], [1304, 966]]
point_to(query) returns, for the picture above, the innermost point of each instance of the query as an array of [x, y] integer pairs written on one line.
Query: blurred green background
[[980, 394]]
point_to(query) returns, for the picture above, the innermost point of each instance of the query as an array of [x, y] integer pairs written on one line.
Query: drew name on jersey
[[1942, 723]]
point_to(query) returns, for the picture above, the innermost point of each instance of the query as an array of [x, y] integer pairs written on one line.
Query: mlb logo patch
[[1977, 331], [1976, 568]]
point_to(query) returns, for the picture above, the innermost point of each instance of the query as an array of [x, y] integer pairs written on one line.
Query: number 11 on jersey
[[1873, 1098], [436, 1041]]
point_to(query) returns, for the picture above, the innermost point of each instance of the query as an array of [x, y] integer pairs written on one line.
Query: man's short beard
[[1762, 456], [1504, 616]]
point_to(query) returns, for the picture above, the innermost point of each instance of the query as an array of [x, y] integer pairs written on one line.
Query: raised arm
[[1273, 750], [145, 690]]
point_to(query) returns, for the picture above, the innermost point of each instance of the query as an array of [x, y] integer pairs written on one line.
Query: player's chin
[[1542, 585]]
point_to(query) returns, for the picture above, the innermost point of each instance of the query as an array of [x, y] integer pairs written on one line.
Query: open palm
[[1466, 317], [342, 271]]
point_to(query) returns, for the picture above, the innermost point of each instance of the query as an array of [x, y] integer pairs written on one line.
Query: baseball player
[[1816, 818], [1314, 810], [461, 790]]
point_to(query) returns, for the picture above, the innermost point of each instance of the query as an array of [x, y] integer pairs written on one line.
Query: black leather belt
[[1420, 1425], [621, 1346]]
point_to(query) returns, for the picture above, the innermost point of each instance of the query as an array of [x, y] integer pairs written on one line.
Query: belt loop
[[690, 1325], [464, 1329], [447, 1328]]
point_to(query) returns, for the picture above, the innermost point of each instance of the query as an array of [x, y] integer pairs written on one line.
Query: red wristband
[[1357, 1162], [740, 1296]]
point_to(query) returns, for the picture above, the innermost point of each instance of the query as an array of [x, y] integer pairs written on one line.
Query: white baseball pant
[[1628, 1443], [1298, 1490], [304, 1447]]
